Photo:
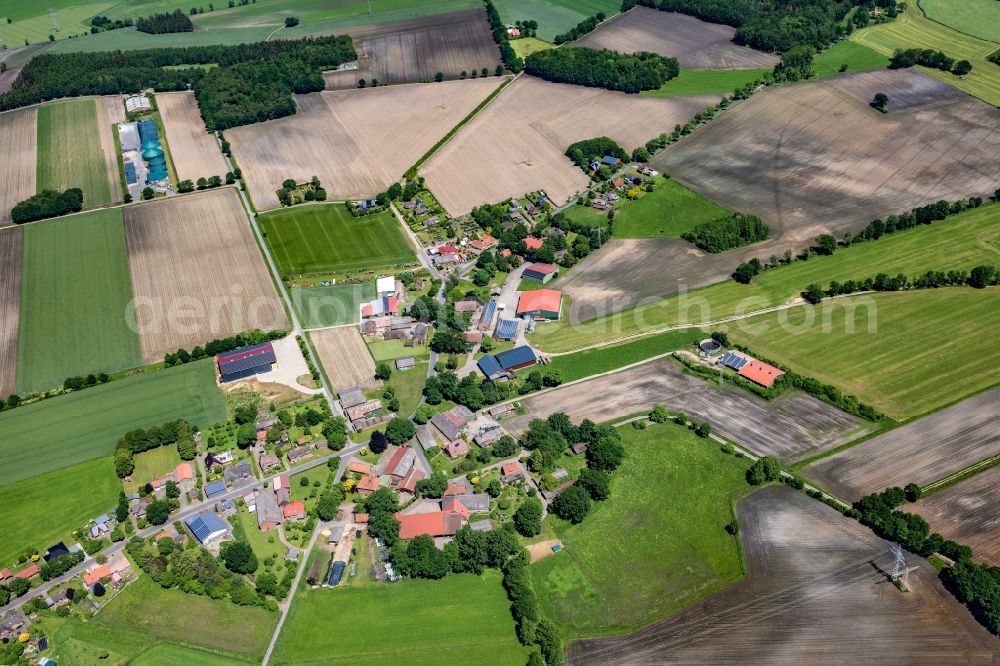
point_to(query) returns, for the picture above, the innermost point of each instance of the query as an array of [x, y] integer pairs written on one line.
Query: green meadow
[[69, 150]]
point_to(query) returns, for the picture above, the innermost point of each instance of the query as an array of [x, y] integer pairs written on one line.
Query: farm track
[[794, 427], [695, 43], [197, 272], [194, 151], [920, 452], [345, 357], [809, 569], [11, 251], [19, 147]]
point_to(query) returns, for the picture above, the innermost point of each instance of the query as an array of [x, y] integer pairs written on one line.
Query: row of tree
[[172, 433], [630, 73], [929, 58], [507, 54], [222, 345], [252, 83], [588, 24], [156, 24], [979, 277], [46, 204], [726, 233]]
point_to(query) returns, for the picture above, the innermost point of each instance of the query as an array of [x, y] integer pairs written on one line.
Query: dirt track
[[969, 513], [345, 357], [11, 245], [193, 150], [356, 141], [196, 272], [19, 148], [517, 144], [696, 44], [814, 594], [416, 49], [791, 428], [920, 452]]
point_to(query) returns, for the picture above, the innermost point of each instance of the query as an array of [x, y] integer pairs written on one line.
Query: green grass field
[[460, 619], [666, 212], [76, 301], [525, 46], [554, 16], [325, 238], [85, 425], [69, 150], [657, 544], [40, 510], [145, 615], [958, 243], [151, 464], [319, 307], [979, 18], [388, 350], [926, 349], [409, 387], [913, 30], [858, 58], [707, 82], [32, 23], [604, 359]]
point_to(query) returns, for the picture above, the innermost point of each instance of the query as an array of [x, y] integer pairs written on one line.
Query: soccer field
[[658, 543], [928, 349], [326, 238], [69, 150], [76, 301], [460, 619], [86, 424]]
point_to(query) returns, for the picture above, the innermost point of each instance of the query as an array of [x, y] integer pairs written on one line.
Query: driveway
[[290, 366]]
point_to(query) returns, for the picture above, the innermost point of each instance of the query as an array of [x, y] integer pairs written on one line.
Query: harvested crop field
[[19, 146], [814, 158], [194, 151], [11, 244], [345, 357], [814, 593], [416, 49], [110, 111], [793, 427], [969, 513], [517, 143], [695, 43], [197, 272], [357, 141], [920, 452]]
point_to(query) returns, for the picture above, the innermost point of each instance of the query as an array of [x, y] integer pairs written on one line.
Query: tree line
[[46, 204], [156, 24], [726, 233], [507, 54], [979, 277], [252, 83], [220, 346], [588, 24], [630, 73], [929, 58]]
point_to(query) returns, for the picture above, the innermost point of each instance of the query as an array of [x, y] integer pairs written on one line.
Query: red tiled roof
[[393, 305], [29, 571], [533, 243], [4, 574], [366, 310], [448, 249], [483, 242], [510, 468], [361, 518], [544, 269], [185, 472], [454, 506], [293, 509], [261, 436], [454, 489], [760, 372], [97, 574], [359, 467], [505, 253], [421, 523], [540, 299], [394, 460], [368, 483]]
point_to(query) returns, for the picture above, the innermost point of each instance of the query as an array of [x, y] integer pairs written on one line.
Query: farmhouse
[[487, 435], [298, 454], [268, 512], [499, 366], [510, 472], [483, 243], [446, 522], [246, 362], [541, 273], [268, 461], [533, 243], [452, 422], [358, 467], [294, 511], [749, 367], [367, 485], [207, 527], [408, 484], [456, 448], [238, 472], [543, 304], [351, 397]]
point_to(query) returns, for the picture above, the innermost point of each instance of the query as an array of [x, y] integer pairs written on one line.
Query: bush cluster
[[726, 233], [611, 70], [584, 152], [929, 58], [580, 29], [47, 203]]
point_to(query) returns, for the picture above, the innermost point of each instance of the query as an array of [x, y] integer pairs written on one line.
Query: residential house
[[483, 243], [238, 472], [510, 472], [294, 511], [610, 160], [487, 435], [456, 448], [533, 243], [362, 410], [268, 513], [185, 476], [466, 306], [268, 462], [358, 467], [501, 411], [401, 463], [298, 454], [476, 503], [225, 507], [408, 483], [367, 485], [28, 572]]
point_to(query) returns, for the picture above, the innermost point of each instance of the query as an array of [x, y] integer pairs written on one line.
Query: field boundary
[[961, 475], [961, 32]]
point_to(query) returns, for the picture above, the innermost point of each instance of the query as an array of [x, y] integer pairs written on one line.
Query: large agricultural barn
[[246, 362]]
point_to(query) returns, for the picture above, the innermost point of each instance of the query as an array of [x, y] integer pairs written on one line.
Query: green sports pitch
[[315, 239]]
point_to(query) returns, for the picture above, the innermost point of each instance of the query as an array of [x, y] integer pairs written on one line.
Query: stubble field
[[345, 357], [792, 427], [194, 151], [969, 513], [19, 146], [920, 452], [11, 243], [695, 43], [517, 143], [357, 141], [70, 150], [815, 593], [110, 111], [417, 49], [197, 273]]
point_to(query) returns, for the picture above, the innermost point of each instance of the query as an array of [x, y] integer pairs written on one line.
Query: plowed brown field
[[196, 272], [968, 513], [345, 357], [517, 144], [357, 141], [11, 244], [695, 43], [194, 151], [19, 151]]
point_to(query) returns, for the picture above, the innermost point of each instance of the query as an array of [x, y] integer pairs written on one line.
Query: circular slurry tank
[[710, 346]]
